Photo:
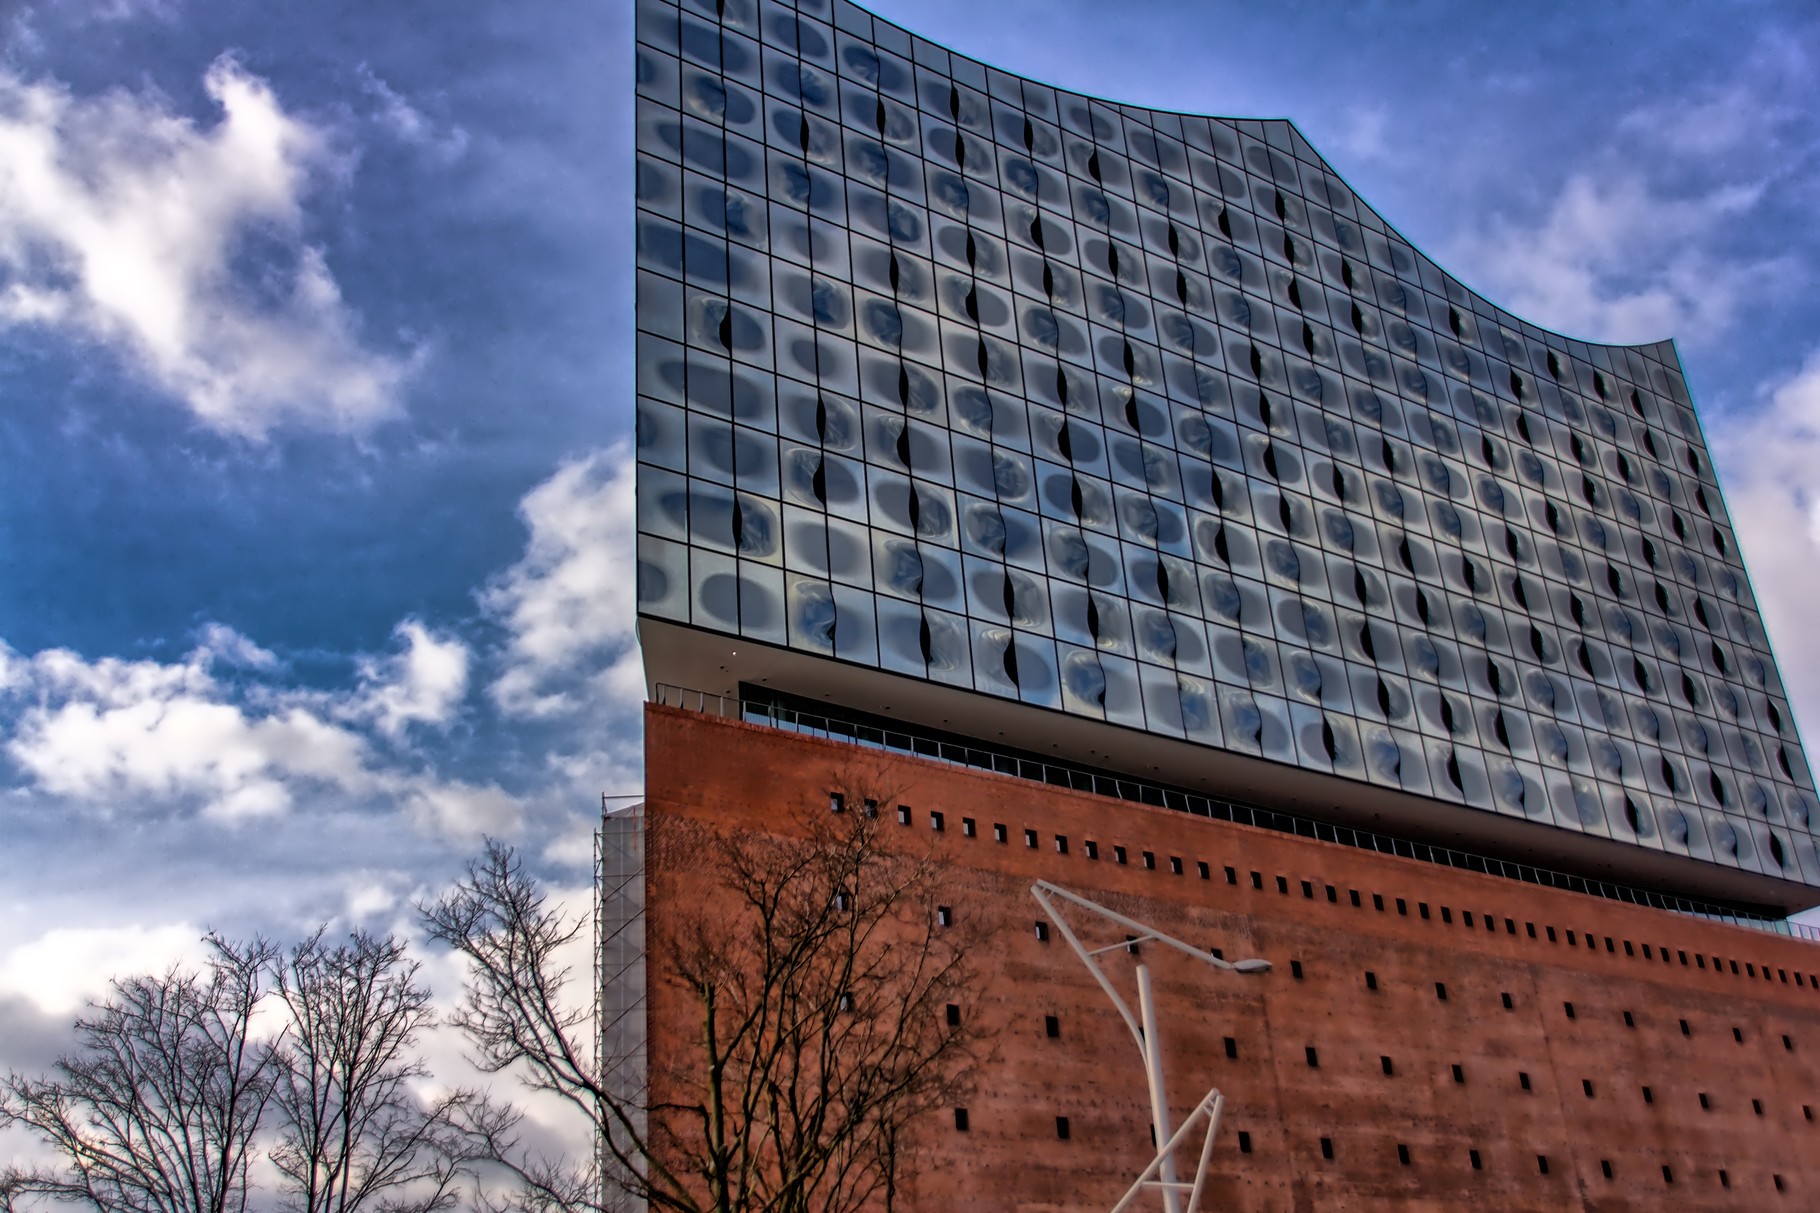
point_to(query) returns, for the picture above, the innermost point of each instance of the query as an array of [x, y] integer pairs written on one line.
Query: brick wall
[[1713, 1010]]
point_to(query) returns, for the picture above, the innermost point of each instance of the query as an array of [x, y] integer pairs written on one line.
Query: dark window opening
[[1605, 1167], [1668, 1174], [1441, 991], [960, 1120], [944, 916], [1725, 1179], [1175, 865], [1232, 1047], [954, 1016], [1551, 935], [1118, 854], [1706, 1103], [903, 814], [1509, 1005], [1402, 907], [1313, 1056], [1149, 861], [1422, 908], [1466, 917], [1232, 877], [1788, 1042], [1052, 1027], [1377, 901], [1244, 1142], [1477, 1163], [1756, 1105], [1042, 932], [1061, 844], [836, 803], [1093, 848], [1388, 1066], [1333, 894], [1257, 880], [1295, 969], [1569, 1008], [1371, 980], [1523, 1079], [937, 822], [1205, 871], [1649, 1096], [1586, 1086], [1542, 1163], [1738, 1035], [998, 831], [1531, 928], [968, 828], [1061, 1127], [1327, 1148], [1685, 1030], [1030, 839], [1354, 893], [1402, 1153], [1446, 915]]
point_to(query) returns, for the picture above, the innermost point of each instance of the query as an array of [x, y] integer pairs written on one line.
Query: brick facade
[[1559, 1010]]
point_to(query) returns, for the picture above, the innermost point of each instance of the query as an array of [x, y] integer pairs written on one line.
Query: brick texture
[[1420, 930]]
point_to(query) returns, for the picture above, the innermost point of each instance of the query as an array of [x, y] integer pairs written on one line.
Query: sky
[[315, 390]]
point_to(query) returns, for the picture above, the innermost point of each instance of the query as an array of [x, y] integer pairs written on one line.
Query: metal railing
[[922, 745]]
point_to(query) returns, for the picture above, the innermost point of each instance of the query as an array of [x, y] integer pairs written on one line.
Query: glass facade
[[1145, 417]]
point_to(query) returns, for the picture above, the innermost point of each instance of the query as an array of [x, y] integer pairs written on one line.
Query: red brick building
[[1449, 1038]]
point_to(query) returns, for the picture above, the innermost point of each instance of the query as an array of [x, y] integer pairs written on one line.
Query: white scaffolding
[[619, 958]]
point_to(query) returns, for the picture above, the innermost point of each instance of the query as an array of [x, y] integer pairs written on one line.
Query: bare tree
[[815, 972], [158, 1109], [353, 1132]]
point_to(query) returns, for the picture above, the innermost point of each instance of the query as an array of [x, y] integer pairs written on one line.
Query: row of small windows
[[1032, 839]]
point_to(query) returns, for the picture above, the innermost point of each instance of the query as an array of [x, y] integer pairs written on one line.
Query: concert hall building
[[1175, 532]]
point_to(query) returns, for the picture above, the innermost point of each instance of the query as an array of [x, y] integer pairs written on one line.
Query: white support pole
[[1159, 1095]]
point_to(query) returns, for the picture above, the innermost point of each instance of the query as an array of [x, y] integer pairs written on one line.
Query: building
[[1130, 486]]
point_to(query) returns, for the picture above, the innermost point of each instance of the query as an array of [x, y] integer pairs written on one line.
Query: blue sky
[[314, 384]]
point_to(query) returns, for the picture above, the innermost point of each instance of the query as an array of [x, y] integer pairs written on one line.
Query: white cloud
[[66, 967], [422, 685], [182, 248], [117, 735], [1615, 259], [569, 604], [1771, 462], [410, 125]]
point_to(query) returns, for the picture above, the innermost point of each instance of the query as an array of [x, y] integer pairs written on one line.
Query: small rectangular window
[[871, 807], [1042, 931], [1756, 1105], [1569, 1008], [954, 1016], [1283, 885], [1061, 844], [1683, 956], [1668, 1174], [1354, 893], [1232, 876], [1175, 865], [1491, 922], [1295, 969], [1313, 1056], [960, 1120], [1685, 1030], [1778, 1180], [1377, 902], [837, 803], [1605, 1167], [1052, 1027], [1530, 927], [1327, 1148], [1333, 894], [1308, 890], [998, 831], [1422, 908], [1257, 880], [1477, 1163], [1706, 1103], [1586, 1086], [1441, 991], [1788, 1042], [1466, 917], [1648, 955], [1628, 950], [1402, 908], [1232, 1047], [1807, 1111], [944, 916], [1402, 1153], [1446, 915], [1244, 1142], [1150, 861], [846, 1001], [1572, 941], [1542, 1163], [1523, 1079], [1738, 1035], [1118, 854], [1459, 1073], [1630, 1021], [1093, 849], [968, 829], [1509, 1005], [1371, 981], [1030, 839], [1725, 1179], [1510, 926], [1061, 1128], [1203, 869], [1649, 1096], [903, 814], [1783, 974], [1610, 946], [937, 821], [1551, 935], [1217, 953], [1388, 1066]]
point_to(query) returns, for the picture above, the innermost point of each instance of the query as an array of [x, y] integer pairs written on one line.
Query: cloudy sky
[[314, 389]]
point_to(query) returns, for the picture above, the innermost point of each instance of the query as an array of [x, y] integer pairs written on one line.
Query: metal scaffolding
[[619, 981]]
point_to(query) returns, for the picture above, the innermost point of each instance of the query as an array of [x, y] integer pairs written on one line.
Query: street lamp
[[1161, 1173]]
